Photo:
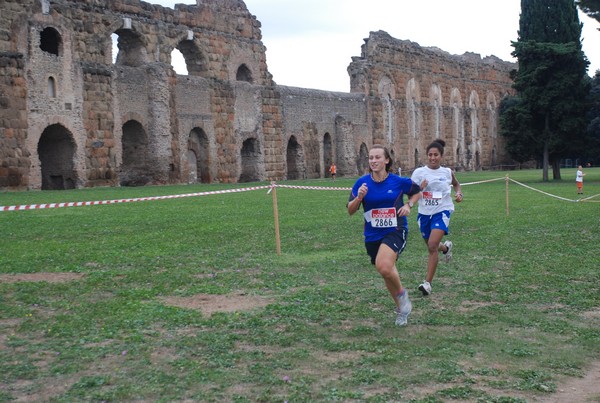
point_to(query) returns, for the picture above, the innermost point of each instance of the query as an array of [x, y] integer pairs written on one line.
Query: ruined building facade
[[73, 116]]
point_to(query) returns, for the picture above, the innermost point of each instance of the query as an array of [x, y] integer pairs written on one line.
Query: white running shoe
[[425, 288], [448, 254], [404, 310]]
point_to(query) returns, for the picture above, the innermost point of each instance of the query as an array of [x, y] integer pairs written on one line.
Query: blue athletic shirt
[[389, 193]]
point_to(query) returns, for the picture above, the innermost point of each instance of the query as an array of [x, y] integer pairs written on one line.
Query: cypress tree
[[590, 7], [551, 83]]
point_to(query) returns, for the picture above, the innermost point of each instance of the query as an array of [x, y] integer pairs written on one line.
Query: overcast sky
[[310, 43]]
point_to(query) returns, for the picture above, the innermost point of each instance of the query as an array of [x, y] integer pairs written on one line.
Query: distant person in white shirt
[[435, 207], [579, 180]]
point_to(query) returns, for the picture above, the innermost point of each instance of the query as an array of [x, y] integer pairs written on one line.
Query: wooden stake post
[[507, 211], [276, 217]]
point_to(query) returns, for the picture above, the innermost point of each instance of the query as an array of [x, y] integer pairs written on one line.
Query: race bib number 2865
[[432, 198]]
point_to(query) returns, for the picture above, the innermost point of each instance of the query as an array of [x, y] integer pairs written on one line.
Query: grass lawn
[[187, 299]]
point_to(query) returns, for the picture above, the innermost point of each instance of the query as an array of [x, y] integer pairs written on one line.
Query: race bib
[[432, 195], [382, 217], [432, 198]]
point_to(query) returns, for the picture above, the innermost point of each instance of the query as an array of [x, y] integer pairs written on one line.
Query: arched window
[[436, 97], [131, 50], [188, 59], [51, 87], [413, 108], [50, 41], [178, 62], [243, 74], [386, 92]]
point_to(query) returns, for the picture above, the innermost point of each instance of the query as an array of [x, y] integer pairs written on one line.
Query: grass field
[[120, 302]]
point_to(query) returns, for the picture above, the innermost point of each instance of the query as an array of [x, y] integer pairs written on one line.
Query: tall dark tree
[[551, 82], [590, 7], [515, 121], [592, 150]]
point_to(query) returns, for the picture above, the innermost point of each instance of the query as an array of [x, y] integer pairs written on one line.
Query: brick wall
[[138, 109]]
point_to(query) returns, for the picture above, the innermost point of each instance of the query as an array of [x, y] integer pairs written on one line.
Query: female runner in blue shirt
[[381, 195]]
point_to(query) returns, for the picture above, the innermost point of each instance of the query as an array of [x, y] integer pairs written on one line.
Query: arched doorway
[[363, 160], [327, 154], [250, 161], [198, 157], [134, 170], [56, 149], [294, 158]]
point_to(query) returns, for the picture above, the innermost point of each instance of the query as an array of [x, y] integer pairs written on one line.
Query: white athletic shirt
[[437, 195], [579, 177]]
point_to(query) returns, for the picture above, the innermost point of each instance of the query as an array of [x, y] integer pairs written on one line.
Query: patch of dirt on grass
[[593, 314], [337, 357], [586, 389], [39, 277], [55, 386], [7, 326], [209, 303], [468, 306]]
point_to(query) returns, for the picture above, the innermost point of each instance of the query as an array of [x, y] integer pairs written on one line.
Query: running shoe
[[448, 254], [425, 288], [404, 310]]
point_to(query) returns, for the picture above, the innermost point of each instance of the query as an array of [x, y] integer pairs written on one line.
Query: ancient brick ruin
[[72, 115]]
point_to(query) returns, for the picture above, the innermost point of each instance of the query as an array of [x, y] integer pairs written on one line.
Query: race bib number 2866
[[384, 217]]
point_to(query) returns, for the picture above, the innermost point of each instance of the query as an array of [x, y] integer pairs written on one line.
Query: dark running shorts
[[395, 240]]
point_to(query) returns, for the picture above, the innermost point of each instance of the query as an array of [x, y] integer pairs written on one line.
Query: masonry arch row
[[464, 127]]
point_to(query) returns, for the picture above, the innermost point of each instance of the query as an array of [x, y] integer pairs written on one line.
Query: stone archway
[[244, 74], [198, 157], [327, 154], [56, 150], [294, 158], [131, 48], [362, 164], [250, 161], [195, 59], [134, 169], [50, 41]]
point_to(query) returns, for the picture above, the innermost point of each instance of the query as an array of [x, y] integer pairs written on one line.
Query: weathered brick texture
[[71, 117]]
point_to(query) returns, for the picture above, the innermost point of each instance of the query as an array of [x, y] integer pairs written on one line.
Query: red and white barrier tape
[[549, 194], [138, 199], [313, 187], [214, 192], [485, 181]]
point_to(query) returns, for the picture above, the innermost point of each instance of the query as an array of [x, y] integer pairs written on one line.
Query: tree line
[[555, 113]]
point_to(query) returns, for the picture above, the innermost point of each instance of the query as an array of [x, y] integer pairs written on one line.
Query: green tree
[[592, 149], [515, 121], [551, 83], [590, 7]]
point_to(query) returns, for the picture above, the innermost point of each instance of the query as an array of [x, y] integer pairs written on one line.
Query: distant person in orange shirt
[[332, 170]]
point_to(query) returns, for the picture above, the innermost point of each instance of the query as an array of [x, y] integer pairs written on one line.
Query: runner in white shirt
[[435, 207]]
